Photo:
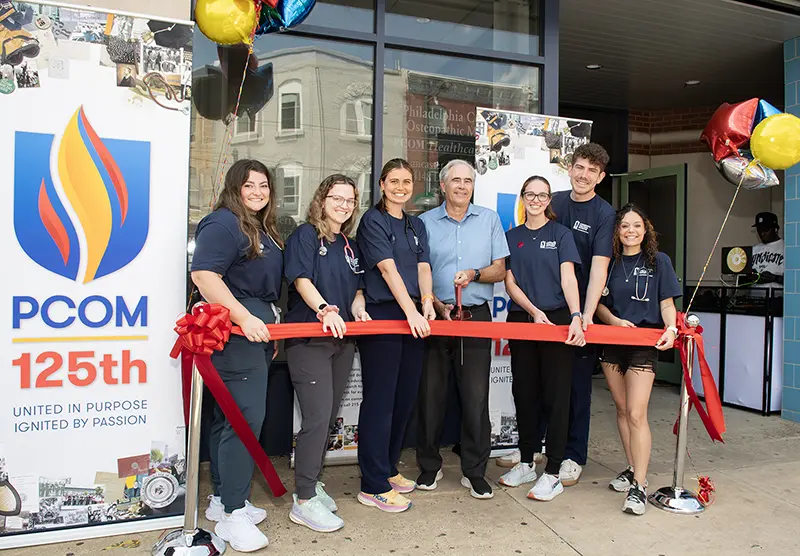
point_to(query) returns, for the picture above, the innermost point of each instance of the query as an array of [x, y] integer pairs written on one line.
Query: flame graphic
[[519, 211], [93, 185]]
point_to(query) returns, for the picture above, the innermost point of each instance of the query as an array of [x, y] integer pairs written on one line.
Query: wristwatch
[[576, 314], [321, 307], [477, 277]]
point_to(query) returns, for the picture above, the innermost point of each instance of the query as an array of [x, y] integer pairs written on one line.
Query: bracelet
[[426, 297], [674, 330]]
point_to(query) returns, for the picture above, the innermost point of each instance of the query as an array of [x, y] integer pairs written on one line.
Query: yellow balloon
[[775, 141], [226, 21]]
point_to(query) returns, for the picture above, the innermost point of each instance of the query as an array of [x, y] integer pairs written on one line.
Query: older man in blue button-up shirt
[[467, 248]]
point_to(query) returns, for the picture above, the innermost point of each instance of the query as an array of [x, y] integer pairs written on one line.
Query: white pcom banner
[[94, 157], [509, 148]]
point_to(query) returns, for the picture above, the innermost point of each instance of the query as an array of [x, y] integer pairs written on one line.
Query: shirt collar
[[471, 210]]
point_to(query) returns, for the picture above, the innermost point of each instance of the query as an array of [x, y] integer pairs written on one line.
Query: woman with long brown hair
[[324, 273], [398, 286], [238, 263], [640, 292]]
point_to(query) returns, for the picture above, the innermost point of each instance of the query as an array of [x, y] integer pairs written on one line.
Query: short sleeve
[[301, 248], [499, 243], [216, 249], [567, 250], [422, 233], [373, 238], [603, 241], [668, 285]]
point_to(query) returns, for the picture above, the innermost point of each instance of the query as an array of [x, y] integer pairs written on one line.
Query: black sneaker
[[636, 501], [478, 487], [427, 480]]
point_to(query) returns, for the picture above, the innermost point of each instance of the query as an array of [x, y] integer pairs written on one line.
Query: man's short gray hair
[[452, 164]]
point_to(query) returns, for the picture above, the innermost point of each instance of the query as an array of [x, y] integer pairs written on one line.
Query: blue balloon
[[287, 14], [764, 111]]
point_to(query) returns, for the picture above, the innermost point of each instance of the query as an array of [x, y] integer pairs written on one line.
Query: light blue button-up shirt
[[473, 243]]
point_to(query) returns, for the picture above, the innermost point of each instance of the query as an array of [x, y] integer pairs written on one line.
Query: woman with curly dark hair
[[639, 292]]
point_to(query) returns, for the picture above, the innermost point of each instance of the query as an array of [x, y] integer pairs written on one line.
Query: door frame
[[670, 372]]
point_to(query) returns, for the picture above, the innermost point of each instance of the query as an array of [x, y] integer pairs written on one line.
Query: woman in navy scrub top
[[543, 288], [238, 263], [324, 271], [398, 286], [640, 292]]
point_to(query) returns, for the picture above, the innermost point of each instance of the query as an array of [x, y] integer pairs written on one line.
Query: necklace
[[635, 266], [533, 237]]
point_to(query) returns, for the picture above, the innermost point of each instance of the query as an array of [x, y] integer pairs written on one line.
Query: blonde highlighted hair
[[316, 210]]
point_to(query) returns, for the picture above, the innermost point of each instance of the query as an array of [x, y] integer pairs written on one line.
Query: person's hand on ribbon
[[539, 317], [427, 308], [420, 327], [254, 329], [332, 321], [622, 322], [587, 321], [667, 339], [361, 315], [575, 336]]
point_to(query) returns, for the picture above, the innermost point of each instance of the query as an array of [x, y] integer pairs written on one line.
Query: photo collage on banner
[[95, 135], [509, 148]]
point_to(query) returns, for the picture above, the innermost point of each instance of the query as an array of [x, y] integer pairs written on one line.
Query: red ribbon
[[711, 415], [202, 333]]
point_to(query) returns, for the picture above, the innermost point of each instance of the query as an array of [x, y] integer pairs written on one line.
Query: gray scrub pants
[[243, 367], [320, 368]]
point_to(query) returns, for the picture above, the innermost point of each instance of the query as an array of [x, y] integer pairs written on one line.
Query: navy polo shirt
[[381, 236], [332, 274], [535, 261], [654, 286], [592, 225], [221, 247]]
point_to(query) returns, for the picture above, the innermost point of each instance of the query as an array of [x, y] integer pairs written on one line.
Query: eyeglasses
[[338, 201], [541, 197]]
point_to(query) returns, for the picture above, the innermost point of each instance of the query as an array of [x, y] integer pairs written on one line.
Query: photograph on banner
[[98, 170], [343, 438], [509, 148]]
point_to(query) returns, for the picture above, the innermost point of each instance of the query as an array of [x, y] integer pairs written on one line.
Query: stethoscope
[[416, 249], [349, 255], [637, 272]]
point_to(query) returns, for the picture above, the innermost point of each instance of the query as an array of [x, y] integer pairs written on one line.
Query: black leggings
[[542, 375]]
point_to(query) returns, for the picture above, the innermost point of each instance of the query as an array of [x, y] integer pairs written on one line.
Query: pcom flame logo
[[511, 210], [105, 185]]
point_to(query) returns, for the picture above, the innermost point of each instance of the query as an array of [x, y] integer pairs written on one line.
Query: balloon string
[[719, 235]]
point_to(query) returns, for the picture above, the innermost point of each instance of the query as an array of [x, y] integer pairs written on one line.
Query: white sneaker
[[569, 473], [238, 530], [546, 488], [325, 498], [515, 457], [315, 515], [422, 485], [636, 500], [216, 509], [520, 474]]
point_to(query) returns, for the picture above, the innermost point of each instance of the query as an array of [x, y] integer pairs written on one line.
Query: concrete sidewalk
[[757, 510]]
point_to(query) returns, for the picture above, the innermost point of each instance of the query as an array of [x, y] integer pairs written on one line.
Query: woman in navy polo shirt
[[398, 286], [541, 283], [238, 263], [640, 292], [325, 277]]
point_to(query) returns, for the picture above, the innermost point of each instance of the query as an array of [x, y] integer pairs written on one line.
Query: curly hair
[[594, 153], [649, 242], [251, 223], [548, 211], [316, 210]]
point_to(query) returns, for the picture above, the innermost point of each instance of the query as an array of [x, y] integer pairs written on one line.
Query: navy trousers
[[580, 404]]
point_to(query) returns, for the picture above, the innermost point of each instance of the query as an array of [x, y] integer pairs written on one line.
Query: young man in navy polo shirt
[[591, 220]]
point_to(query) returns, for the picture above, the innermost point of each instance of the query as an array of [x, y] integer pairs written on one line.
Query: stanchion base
[[202, 543], [676, 500]]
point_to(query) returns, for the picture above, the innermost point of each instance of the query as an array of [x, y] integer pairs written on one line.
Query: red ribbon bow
[[711, 415], [200, 334]]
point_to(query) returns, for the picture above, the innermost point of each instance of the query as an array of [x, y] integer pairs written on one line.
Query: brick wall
[[791, 299], [663, 121]]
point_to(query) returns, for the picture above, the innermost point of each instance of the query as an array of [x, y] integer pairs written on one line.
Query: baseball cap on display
[[766, 219]]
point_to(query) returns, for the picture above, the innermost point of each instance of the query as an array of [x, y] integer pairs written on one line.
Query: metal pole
[[675, 498], [190, 540]]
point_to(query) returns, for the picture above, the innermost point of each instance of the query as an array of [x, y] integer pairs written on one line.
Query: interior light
[[691, 82], [594, 66]]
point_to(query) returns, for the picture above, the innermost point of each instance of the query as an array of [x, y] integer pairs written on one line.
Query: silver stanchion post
[[191, 540], [675, 498]]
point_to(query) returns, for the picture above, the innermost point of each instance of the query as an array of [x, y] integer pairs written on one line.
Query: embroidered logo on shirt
[[547, 245], [581, 227], [520, 245]]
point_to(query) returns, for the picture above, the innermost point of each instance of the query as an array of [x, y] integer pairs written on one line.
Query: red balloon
[[730, 128]]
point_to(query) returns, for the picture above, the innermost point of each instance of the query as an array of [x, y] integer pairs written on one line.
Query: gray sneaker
[[636, 500], [314, 515], [623, 481], [325, 498]]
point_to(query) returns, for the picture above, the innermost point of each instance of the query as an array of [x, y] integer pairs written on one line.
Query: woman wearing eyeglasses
[[398, 286], [543, 288], [640, 292], [325, 277]]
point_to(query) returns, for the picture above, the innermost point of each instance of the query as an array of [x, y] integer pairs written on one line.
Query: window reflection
[[352, 15]]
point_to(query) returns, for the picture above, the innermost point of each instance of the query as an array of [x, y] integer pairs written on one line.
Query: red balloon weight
[[730, 128]]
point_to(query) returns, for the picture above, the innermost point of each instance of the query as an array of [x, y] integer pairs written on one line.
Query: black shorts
[[625, 357]]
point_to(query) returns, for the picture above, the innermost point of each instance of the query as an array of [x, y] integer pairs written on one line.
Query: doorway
[[661, 194]]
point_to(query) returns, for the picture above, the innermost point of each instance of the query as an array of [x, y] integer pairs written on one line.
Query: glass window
[[299, 132], [352, 15], [504, 25], [439, 96]]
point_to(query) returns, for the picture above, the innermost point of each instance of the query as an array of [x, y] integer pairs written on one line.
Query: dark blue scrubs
[[222, 248], [592, 224], [391, 365]]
